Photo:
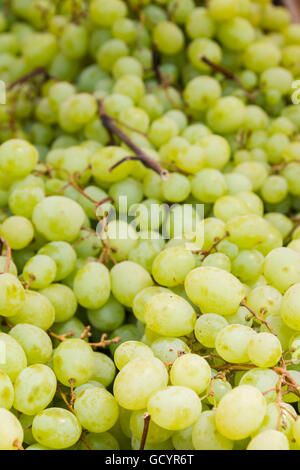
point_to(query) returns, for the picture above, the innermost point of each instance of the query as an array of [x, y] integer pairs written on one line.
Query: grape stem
[[216, 242], [8, 253], [258, 317], [63, 337], [18, 445], [281, 166], [105, 342], [82, 438], [110, 124], [86, 332], [25, 78], [72, 394], [63, 396], [294, 9], [147, 418]]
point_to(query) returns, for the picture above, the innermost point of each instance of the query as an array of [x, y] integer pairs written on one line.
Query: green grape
[[202, 92], [168, 349], [124, 292], [23, 200], [262, 55], [283, 332], [129, 350], [248, 265], [162, 130], [201, 286], [34, 341], [147, 250], [291, 173], [27, 158], [36, 310], [229, 249], [76, 111], [264, 350], [232, 343], [168, 37], [218, 260], [221, 10], [26, 423], [46, 423], [128, 188], [227, 115], [74, 327], [219, 388], [263, 379], [15, 359], [156, 434], [63, 300], [6, 391], [37, 447], [190, 159], [138, 380], [166, 445], [17, 231], [39, 271], [294, 245], [200, 24], [176, 188], [96, 409], [205, 435], [104, 369], [174, 408], [182, 440], [108, 317], [99, 441], [11, 432], [92, 285], [68, 362], [64, 256], [269, 440], [282, 268], [169, 315], [105, 12], [34, 389], [191, 371], [12, 295], [240, 412], [208, 185], [289, 308], [296, 430], [241, 317], [207, 328], [281, 222], [172, 265], [228, 207], [104, 159], [274, 189], [236, 34], [130, 85], [73, 41], [126, 332], [272, 415]]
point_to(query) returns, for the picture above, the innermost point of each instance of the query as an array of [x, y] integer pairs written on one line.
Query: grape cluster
[[162, 327]]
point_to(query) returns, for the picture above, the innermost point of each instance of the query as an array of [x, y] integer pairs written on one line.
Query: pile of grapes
[[149, 225]]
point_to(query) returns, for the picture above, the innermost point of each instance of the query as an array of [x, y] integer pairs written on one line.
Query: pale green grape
[[138, 380], [92, 285], [289, 308], [191, 371], [105, 12], [104, 369], [262, 55], [236, 33], [23, 200], [170, 315], [130, 350], [264, 380], [264, 350], [214, 290], [264, 298], [248, 265], [96, 409], [207, 327], [282, 268], [63, 299], [39, 271], [34, 388], [6, 391], [254, 202], [232, 343], [208, 185], [168, 37], [182, 440], [18, 158], [162, 130], [17, 231], [269, 440], [47, 422], [169, 349], [36, 310], [228, 207], [11, 431], [201, 92], [205, 435], [108, 317], [226, 115], [12, 295], [240, 412], [296, 431], [73, 359], [174, 408], [76, 111], [123, 291], [218, 260], [172, 265], [34, 341], [15, 359], [100, 441], [283, 332], [122, 237], [271, 418], [176, 188]]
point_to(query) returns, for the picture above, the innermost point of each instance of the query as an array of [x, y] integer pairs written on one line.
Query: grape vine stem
[[147, 418]]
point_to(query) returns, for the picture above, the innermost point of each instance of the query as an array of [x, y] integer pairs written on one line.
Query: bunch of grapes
[[149, 225]]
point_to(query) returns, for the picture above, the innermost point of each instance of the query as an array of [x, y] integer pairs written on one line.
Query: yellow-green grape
[[36, 310], [99, 441], [226, 115], [199, 24], [17, 231], [170, 315], [6, 391], [11, 432], [17, 158], [129, 188], [176, 188], [190, 159], [104, 369], [294, 245], [216, 151], [218, 260], [174, 408], [47, 422], [76, 111], [73, 360], [15, 359], [264, 299], [203, 47], [262, 55], [254, 202], [191, 371], [26, 423], [291, 173], [228, 207], [130, 350], [269, 440], [168, 37], [39, 271], [138, 380], [236, 33], [248, 265], [96, 409], [182, 440], [64, 256], [63, 300], [156, 433], [92, 285], [207, 327], [255, 171], [34, 341], [168, 349], [272, 416], [274, 189], [105, 12], [296, 430], [205, 435], [240, 412], [219, 388], [166, 445], [232, 343], [34, 388], [123, 291], [58, 218], [264, 379], [222, 10], [241, 317], [208, 185], [23, 200], [162, 130], [283, 332], [282, 268], [214, 290], [12, 267], [290, 307], [122, 237], [237, 183], [264, 350], [201, 92], [108, 317], [172, 265], [281, 222], [12, 295], [248, 231], [37, 447]]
